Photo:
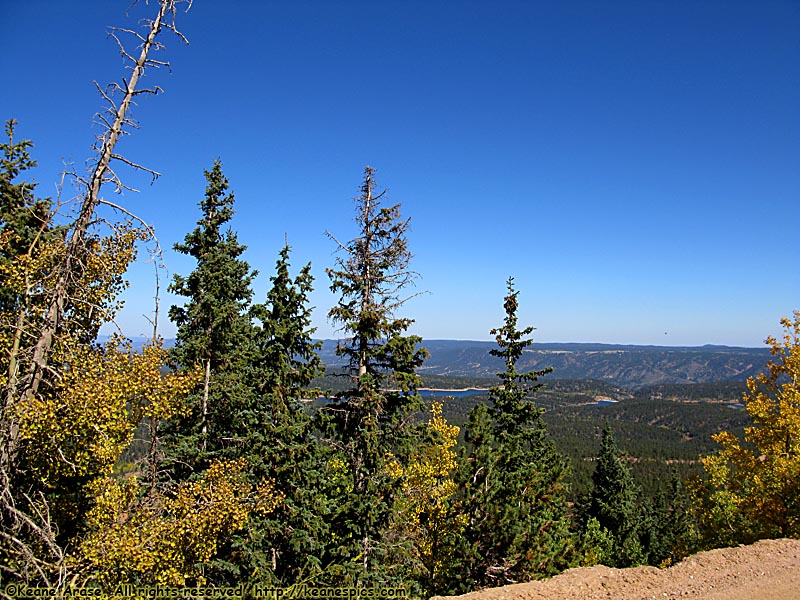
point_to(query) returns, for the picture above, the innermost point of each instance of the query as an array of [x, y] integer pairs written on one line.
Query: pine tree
[[368, 423], [285, 359], [23, 217], [214, 332], [666, 527], [513, 479], [289, 544], [613, 503]]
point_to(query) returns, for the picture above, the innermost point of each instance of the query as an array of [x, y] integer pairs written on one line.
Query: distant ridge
[[626, 365]]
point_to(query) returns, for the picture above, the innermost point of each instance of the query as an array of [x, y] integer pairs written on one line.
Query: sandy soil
[[767, 570]]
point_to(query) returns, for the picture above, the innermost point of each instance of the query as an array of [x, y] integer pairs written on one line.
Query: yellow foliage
[[74, 429], [32, 277], [166, 540], [103, 394], [100, 276], [28, 276], [338, 473], [755, 483], [69, 433], [424, 514], [91, 398]]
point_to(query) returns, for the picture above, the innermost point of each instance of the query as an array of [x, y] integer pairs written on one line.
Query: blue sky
[[634, 165]]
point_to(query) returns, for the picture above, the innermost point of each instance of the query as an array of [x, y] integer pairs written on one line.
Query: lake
[[429, 393], [604, 403], [436, 393]]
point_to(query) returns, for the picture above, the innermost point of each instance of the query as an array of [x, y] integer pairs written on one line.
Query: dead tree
[[27, 531], [101, 175]]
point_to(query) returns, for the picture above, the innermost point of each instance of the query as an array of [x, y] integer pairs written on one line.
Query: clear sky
[[634, 165]]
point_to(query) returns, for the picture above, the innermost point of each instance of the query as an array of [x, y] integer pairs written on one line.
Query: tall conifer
[[369, 423], [613, 503], [213, 332], [290, 544], [513, 479]]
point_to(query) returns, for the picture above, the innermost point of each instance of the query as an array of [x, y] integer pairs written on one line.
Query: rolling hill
[[628, 366], [623, 365]]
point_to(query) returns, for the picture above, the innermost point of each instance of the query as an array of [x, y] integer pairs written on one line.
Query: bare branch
[[106, 97], [115, 87], [136, 34], [137, 166], [150, 231], [57, 293], [154, 91], [337, 242], [121, 47], [152, 62]]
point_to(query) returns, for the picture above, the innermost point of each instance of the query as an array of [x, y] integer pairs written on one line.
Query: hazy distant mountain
[[628, 366]]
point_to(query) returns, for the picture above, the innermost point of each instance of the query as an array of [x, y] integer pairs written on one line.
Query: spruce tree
[[289, 544], [513, 478], [23, 217], [285, 359], [666, 528], [214, 332], [369, 423], [613, 503]]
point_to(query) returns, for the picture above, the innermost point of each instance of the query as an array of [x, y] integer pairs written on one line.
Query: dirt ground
[[767, 570]]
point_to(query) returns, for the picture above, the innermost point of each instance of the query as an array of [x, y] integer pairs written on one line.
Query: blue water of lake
[[428, 393], [451, 393], [604, 403]]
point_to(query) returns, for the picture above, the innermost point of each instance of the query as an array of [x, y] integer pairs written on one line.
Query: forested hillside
[[628, 366], [663, 430]]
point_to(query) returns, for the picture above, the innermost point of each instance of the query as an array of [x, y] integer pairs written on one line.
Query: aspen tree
[[753, 486], [57, 293]]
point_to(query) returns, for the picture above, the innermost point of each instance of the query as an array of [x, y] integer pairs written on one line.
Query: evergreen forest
[[236, 460]]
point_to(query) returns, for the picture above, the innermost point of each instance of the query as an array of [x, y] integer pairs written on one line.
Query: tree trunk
[[75, 246], [204, 408]]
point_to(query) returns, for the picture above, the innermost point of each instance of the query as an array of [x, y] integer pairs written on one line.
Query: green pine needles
[[213, 328], [613, 508], [369, 424], [512, 479], [258, 363], [251, 478]]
